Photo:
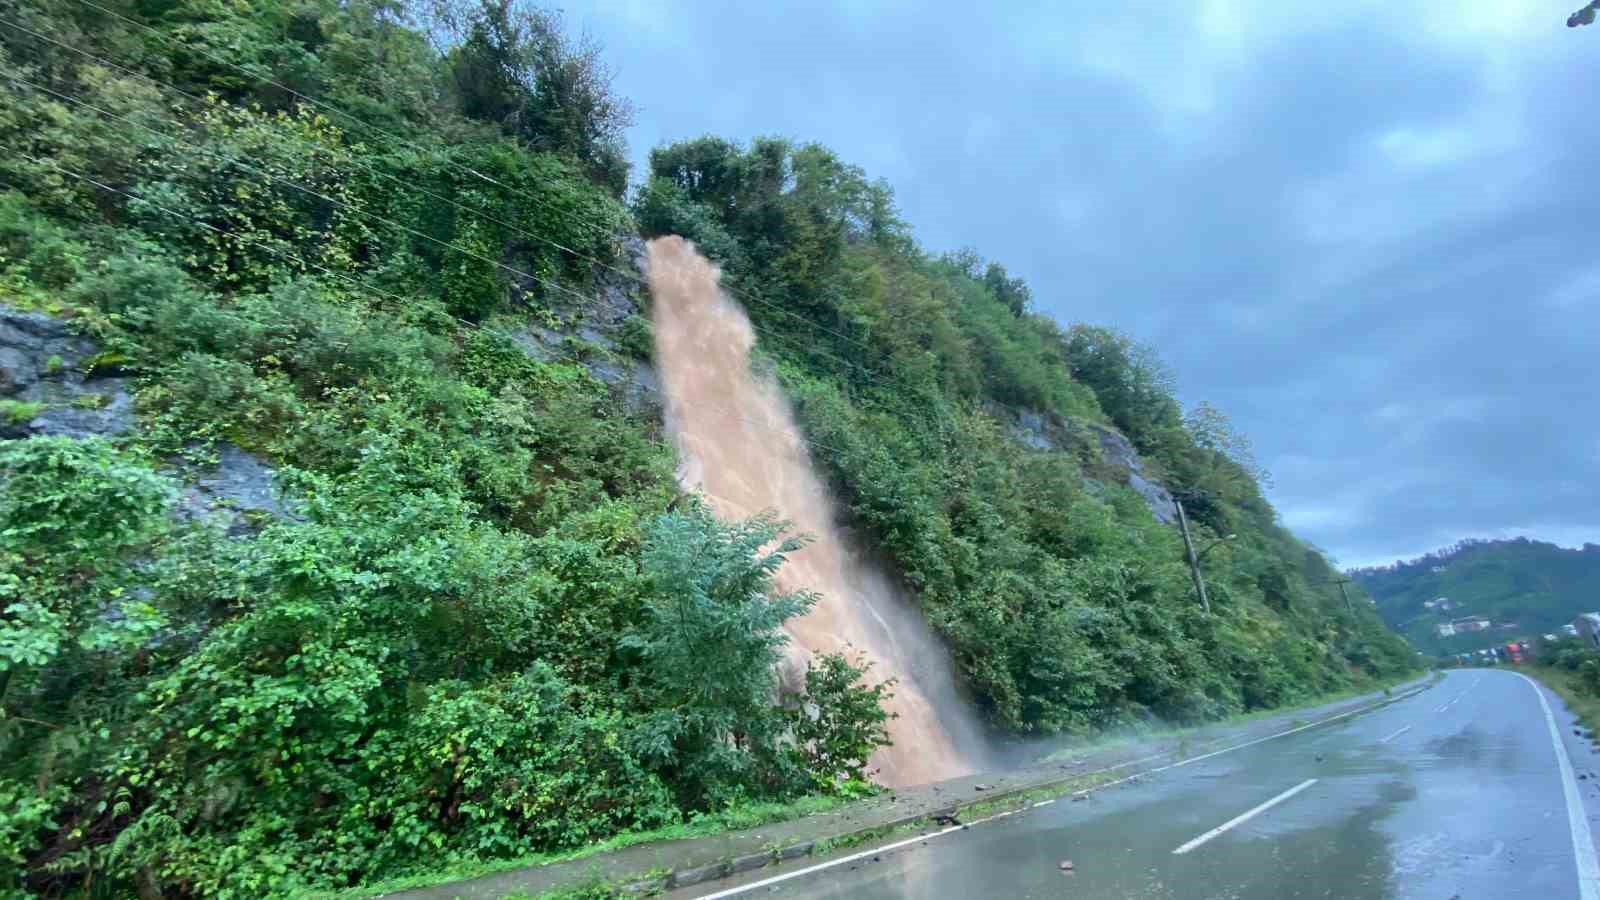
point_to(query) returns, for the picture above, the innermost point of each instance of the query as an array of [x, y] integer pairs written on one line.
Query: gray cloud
[[1362, 230]]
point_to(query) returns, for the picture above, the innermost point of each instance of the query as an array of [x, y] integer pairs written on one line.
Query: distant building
[[1470, 623], [1443, 604], [1569, 630], [1587, 627], [1445, 629]]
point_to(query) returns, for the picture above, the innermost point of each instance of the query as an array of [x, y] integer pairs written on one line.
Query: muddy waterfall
[[741, 448]]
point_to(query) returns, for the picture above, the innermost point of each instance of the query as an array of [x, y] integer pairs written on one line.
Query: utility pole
[[1194, 561], [1341, 583]]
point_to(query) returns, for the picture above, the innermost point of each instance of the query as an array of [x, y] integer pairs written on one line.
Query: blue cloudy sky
[[1364, 229]]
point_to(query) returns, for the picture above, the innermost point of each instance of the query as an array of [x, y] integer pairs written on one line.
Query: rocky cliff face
[[1113, 452], [1120, 453], [606, 331], [52, 383]]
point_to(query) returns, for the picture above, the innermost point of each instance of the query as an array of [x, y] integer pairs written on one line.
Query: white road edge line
[[1395, 735], [735, 891], [1582, 841], [1244, 817], [765, 882]]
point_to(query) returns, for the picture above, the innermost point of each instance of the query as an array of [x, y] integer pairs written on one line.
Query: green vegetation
[[1571, 668], [1066, 604], [492, 627], [16, 411], [1525, 588], [1575, 690]]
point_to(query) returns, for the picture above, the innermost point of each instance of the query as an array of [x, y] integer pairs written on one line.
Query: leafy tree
[[1135, 390], [1013, 292], [1211, 430], [709, 643], [518, 67], [840, 722]]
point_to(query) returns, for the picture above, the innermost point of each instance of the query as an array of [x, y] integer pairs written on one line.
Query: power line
[[372, 169], [395, 137], [379, 292], [236, 160], [222, 61], [552, 285]]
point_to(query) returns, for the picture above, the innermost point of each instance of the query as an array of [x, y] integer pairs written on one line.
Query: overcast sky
[[1364, 229]]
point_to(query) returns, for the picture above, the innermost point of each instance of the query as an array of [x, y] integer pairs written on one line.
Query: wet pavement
[[1456, 793]]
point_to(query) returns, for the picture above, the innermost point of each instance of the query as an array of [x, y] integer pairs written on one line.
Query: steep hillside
[[340, 536], [1523, 587], [925, 382]]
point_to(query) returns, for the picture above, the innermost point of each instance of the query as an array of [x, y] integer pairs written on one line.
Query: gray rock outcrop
[[1118, 451], [1039, 431], [237, 492], [42, 373], [594, 333]]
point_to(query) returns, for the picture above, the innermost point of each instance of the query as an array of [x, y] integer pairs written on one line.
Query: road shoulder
[[674, 864], [1583, 749]]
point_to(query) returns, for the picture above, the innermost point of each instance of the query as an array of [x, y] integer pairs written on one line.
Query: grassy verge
[[1565, 684], [735, 819]]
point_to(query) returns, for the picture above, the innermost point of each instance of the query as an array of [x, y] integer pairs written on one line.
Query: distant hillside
[[1522, 586]]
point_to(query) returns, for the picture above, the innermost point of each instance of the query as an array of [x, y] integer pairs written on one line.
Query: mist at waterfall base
[[739, 446]]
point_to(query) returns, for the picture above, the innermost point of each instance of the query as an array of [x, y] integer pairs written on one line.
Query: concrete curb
[[1001, 792]]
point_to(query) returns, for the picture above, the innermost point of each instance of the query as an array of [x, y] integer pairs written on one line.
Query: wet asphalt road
[[1454, 793]]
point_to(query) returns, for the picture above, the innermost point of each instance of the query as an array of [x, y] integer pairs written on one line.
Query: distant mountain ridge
[[1522, 586]]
